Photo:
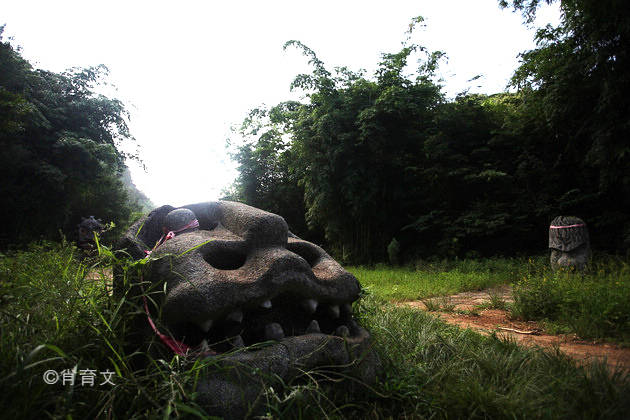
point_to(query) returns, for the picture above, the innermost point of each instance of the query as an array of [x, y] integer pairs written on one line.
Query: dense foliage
[[576, 88], [368, 159], [59, 150]]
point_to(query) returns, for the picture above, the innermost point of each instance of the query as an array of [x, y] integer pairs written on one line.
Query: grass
[[495, 301], [593, 305], [461, 374], [52, 316], [439, 304], [434, 370], [438, 278]]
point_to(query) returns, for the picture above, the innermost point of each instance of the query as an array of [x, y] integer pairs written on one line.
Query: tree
[[388, 157], [268, 178], [348, 146], [59, 157], [576, 99]]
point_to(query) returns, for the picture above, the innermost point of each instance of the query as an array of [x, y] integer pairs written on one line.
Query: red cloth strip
[[171, 235], [177, 346], [566, 227]]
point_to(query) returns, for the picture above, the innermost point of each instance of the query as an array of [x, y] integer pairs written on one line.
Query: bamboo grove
[[365, 160]]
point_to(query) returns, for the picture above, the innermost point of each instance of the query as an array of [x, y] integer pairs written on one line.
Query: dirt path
[[102, 275], [464, 310]]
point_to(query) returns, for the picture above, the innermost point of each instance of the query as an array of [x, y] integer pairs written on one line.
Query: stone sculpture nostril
[[305, 250], [284, 260]]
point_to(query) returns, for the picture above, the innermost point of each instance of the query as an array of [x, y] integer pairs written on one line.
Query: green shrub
[[594, 305]]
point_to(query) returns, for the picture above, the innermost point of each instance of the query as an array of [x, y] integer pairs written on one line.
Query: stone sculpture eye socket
[[226, 258]]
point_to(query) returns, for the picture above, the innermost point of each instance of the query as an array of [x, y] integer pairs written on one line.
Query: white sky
[[190, 70]]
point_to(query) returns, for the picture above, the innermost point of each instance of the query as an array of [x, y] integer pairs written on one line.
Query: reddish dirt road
[[465, 310], [104, 276]]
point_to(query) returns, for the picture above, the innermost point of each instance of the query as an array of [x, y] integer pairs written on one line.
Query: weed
[[469, 312], [439, 304], [594, 305], [495, 301]]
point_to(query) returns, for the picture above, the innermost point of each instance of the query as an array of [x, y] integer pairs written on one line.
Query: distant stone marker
[[87, 228], [569, 243]]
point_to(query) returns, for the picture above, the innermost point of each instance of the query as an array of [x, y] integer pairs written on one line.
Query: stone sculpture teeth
[[266, 304], [342, 331], [274, 331], [313, 327], [237, 342], [309, 305], [236, 316], [206, 325], [333, 311]]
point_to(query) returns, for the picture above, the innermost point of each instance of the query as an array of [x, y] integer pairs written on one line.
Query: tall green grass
[[434, 370], [52, 316], [437, 278], [594, 304]]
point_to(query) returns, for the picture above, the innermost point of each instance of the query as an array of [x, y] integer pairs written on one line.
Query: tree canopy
[[363, 160], [59, 141], [576, 88]]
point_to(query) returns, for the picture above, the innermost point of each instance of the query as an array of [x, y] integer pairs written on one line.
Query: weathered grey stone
[[178, 219], [87, 228], [244, 261], [569, 243]]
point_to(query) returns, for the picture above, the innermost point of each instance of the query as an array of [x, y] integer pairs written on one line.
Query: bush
[[594, 305]]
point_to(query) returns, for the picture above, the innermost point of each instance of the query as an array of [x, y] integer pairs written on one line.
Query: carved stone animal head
[[569, 243], [87, 228], [238, 279]]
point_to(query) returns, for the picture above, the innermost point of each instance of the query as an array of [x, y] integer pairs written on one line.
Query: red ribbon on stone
[[171, 234], [566, 227], [176, 346]]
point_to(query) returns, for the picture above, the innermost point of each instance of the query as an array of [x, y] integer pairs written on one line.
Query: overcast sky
[[188, 71]]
